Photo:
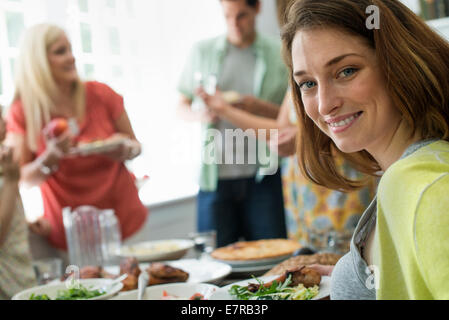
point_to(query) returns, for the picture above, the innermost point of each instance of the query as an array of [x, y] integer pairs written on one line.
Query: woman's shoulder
[[100, 93], [16, 104], [15, 112], [413, 174], [97, 87]]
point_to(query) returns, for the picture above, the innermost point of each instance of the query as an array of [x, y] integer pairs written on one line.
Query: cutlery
[[105, 288], [142, 284]]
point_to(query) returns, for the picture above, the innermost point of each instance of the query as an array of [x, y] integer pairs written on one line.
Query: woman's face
[[343, 90], [61, 60]]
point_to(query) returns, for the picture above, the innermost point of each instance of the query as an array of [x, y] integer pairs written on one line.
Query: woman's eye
[[306, 85], [348, 72]]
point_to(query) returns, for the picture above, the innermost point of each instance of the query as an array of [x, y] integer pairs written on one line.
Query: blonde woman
[[16, 273], [48, 87]]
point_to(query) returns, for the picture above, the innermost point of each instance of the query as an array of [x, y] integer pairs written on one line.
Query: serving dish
[[159, 250], [52, 289]]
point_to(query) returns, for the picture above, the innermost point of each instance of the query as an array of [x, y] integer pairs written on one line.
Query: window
[[12, 64], [15, 26], [114, 40], [110, 3], [86, 38], [89, 71], [83, 6]]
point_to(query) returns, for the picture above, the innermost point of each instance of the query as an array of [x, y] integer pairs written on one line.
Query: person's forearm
[[246, 120], [31, 173], [265, 109], [8, 199]]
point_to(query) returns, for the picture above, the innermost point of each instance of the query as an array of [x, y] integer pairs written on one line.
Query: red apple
[[56, 127]]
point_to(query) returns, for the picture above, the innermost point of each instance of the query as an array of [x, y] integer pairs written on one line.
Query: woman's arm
[[258, 107], [431, 235], [34, 171], [9, 192], [130, 148], [244, 119]]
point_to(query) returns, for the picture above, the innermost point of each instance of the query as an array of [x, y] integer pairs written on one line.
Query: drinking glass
[[204, 242], [47, 270]]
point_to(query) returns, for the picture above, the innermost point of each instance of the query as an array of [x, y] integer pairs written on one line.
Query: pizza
[[256, 250]]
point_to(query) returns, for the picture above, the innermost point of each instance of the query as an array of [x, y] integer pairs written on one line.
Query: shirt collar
[[222, 44]]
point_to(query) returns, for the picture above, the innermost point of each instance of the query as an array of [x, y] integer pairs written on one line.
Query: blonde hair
[[34, 83]]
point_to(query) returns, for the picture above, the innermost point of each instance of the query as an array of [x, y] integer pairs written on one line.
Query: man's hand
[[284, 143], [215, 102]]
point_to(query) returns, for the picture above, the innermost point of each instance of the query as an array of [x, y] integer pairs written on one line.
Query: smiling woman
[[343, 91], [378, 97]]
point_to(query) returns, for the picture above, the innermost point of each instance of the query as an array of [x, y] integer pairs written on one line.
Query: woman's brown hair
[[413, 58]]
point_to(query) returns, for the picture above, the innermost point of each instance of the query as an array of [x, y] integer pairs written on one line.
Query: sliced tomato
[[197, 296]]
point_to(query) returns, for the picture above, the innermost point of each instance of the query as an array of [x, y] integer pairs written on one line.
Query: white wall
[[267, 21], [174, 220]]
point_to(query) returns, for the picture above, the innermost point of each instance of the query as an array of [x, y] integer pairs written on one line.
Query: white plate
[[183, 291], [258, 262], [156, 250], [223, 293], [253, 270], [51, 290], [199, 270]]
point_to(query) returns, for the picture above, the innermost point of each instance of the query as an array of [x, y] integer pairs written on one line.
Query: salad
[[277, 291], [81, 293]]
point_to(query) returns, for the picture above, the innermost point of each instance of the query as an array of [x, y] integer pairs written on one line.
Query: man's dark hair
[[251, 3]]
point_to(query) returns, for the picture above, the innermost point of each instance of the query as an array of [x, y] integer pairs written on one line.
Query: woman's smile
[[342, 123]]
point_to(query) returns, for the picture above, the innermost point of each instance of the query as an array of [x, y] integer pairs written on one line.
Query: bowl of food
[[89, 289]]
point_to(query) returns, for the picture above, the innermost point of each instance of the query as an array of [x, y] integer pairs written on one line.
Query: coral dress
[[88, 180]]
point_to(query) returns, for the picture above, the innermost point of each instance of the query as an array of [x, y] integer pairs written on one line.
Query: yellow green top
[[411, 247]]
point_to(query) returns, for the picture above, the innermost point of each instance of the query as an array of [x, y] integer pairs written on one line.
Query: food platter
[[258, 252], [52, 289], [205, 271], [251, 270], [223, 293], [172, 291], [256, 262], [159, 250]]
